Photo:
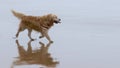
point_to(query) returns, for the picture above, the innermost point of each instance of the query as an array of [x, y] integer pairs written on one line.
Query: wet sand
[[92, 47]]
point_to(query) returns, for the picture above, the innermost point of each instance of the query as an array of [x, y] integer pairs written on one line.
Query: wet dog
[[40, 24]]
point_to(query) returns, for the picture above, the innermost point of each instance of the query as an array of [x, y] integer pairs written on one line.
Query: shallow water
[[88, 36]]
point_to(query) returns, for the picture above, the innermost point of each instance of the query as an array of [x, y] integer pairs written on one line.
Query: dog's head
[[54, 18]]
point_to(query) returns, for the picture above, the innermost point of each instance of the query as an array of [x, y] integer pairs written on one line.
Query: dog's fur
[[40, 24]]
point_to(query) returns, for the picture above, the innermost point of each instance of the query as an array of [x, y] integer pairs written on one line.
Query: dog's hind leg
[[17, 33], [29, 34], [19, 30]]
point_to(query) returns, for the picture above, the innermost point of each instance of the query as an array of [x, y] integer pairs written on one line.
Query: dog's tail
[[18, 15]]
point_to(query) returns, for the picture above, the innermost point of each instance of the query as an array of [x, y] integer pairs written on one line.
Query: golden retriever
[[40, 24]]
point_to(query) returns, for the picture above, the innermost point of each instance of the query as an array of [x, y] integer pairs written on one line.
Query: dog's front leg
[[45, 33], [42, 35]]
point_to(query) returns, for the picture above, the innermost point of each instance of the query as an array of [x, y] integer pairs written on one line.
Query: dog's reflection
[[40, 56]]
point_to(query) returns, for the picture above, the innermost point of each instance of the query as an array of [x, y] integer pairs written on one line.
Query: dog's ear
[[49, 17]]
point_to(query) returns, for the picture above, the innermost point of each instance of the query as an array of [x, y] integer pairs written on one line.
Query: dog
[[40, 24]]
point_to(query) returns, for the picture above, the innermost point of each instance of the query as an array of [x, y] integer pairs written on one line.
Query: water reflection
[[39, 56]]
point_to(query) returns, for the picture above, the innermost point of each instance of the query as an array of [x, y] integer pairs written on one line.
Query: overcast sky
[[91, 10]]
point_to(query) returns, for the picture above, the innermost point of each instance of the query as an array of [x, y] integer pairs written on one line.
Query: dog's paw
[[41, 36], [51, 41], [33, 39], [16, 41]]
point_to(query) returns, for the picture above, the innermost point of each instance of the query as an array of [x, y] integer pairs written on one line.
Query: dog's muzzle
[[57, 21]]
